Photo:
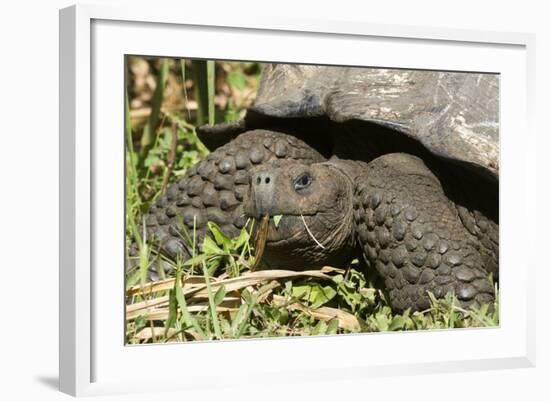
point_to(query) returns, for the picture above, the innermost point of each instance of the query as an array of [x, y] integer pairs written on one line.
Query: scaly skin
[[411, 233]]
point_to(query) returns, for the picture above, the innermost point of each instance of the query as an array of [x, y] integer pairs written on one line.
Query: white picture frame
[[93, 41]]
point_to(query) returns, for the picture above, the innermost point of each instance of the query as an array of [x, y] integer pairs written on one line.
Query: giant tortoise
[[396, 167]]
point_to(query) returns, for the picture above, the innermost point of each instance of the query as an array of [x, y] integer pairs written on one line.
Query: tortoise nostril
[[262, 178]]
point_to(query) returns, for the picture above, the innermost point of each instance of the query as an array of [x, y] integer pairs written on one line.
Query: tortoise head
[[311, 213]]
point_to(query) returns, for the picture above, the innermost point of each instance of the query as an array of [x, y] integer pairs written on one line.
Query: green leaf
[[213, 265], [211, 303], [369, 294], [144, 255], [219, 236], [166, 140], [186, 316], [332, 327], [237, 79], [382, 322], [220, 295], [320, 328], [244, 238], [300, 290], [483, 310], [315, 294], [245, 294], [283, 316], [251, 302], [240, 314], [172, 311], [288, 287], [277, 219], [196, 260], [209, 247], [397, 323]]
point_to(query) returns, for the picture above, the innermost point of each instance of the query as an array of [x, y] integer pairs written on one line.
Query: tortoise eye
[[302, 182]]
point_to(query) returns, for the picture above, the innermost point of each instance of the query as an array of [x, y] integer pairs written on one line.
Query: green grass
[[217, 294], [239, 303]]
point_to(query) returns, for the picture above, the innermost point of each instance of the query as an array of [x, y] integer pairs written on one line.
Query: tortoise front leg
[[412, 235], [215, 189]]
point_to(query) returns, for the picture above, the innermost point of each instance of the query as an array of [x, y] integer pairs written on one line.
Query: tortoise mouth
[[279, 241], [285, 228], [260, 217]]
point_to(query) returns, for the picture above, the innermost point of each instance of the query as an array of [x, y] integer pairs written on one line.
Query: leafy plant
[[238, 302]]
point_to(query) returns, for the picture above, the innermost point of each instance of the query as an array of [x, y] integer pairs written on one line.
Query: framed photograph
[[291, 198]]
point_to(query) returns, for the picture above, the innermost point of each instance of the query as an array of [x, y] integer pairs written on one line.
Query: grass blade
[[150, 130], [183, 80], [211, 78], [128, 124], [212, 303], [201, 89], [189, 320]]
